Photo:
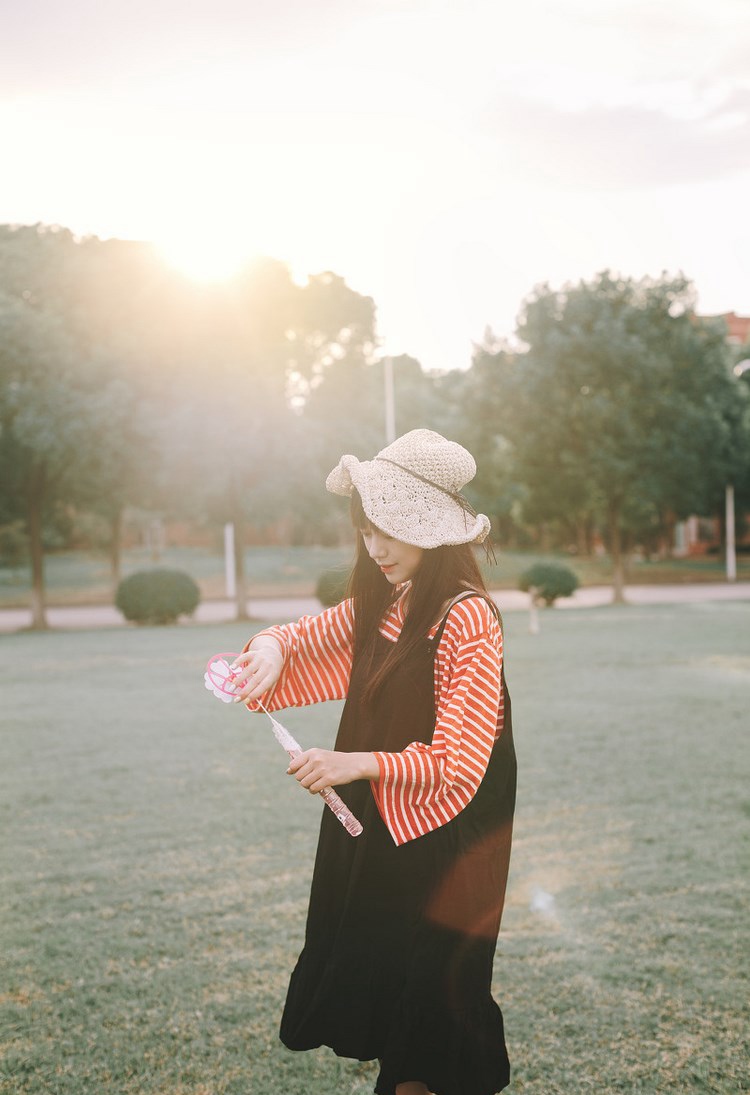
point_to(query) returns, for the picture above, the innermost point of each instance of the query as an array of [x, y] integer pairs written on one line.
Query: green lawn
[[80, 577], [156, 859]]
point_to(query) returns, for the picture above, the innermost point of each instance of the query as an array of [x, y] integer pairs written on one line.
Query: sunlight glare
[[206, 258]]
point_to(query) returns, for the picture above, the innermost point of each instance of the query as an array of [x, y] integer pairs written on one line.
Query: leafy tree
[[238, 446], [345, 413], [619, 405], [329, 323], [738, 415], [76, 429], [177, 396], [477, 402], [49, 405]]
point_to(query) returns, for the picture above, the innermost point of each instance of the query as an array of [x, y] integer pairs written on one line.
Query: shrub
[[331, 587], [548, 581], [157, 596]]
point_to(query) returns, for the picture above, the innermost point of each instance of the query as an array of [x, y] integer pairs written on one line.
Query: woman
[[403, 920]]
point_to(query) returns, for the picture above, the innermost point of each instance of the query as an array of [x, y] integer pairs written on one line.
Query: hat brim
[[405, 507]]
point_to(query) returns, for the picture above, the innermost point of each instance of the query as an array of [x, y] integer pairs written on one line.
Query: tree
[[75, 421], [49, 405], [619, 405], [238, 447], [475, 400], [738, 416]]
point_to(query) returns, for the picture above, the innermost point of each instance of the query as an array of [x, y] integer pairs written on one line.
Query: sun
[[207, 258]]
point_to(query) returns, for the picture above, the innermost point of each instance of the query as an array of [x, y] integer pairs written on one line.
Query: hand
[[260, 668], [317, 769]]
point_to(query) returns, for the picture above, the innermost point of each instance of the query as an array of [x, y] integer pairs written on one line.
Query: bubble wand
[[219, 679]]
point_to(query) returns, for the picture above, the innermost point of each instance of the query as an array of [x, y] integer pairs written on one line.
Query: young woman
[[403, 919]]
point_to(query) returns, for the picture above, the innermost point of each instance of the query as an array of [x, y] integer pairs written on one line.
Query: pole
[[390, 401], [533, 611], [230, 578], [731, 551], [739, 370]]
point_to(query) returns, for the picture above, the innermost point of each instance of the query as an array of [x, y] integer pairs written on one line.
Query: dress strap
[[457, 600], [504, 710]]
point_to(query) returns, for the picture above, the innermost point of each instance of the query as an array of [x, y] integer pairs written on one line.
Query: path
[[290, 608]]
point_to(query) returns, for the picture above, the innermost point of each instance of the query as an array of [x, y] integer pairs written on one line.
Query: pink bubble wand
[[219, 679]]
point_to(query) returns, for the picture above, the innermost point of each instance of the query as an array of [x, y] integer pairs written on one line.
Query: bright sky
[[442, 156]]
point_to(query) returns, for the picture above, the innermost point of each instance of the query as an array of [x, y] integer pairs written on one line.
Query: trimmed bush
[[548, 581], [157, 596], [331, 587]]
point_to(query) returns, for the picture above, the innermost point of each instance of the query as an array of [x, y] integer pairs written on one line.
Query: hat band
[[459, 499]]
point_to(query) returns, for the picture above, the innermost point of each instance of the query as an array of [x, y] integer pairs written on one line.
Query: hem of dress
[[385, 1088]]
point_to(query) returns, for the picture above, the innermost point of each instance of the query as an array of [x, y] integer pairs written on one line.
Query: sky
[[443, 156]]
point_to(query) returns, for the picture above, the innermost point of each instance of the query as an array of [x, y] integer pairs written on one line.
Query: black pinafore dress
[[400, 941]]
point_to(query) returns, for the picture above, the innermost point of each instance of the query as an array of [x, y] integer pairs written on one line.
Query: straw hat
[[411, 490]]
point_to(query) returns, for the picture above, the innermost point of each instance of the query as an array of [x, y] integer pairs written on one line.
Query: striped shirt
[[423, 786]]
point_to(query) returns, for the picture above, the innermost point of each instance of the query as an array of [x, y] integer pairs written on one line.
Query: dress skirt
[[400, 940]]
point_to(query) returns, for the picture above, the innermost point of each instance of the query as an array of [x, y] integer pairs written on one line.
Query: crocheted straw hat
[[411, 490]]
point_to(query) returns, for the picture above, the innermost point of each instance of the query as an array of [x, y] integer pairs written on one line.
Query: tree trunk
[[115, 547], [34, 518], [618, 560], [239, 564], [669, 523], [156, 539], [627, 547]]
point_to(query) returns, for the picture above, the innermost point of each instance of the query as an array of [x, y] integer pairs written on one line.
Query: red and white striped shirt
[[424, 786]]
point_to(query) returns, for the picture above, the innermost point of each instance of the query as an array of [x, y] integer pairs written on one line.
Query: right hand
[[259, 668]]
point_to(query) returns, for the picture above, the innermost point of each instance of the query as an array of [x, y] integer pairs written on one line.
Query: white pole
[[390, 401], [731, 552], [533, 612], [230, 577], [739, 370]]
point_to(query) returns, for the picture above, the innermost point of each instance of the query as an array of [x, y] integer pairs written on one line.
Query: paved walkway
[[290, 608]]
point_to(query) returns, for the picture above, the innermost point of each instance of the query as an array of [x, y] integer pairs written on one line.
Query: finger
[[312, 783], [241, 676], [306, 775], [259, 686], [252, 683], [296, 763], [242, 659], [256, 665]]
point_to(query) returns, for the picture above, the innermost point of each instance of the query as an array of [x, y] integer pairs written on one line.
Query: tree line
[[124, 384]]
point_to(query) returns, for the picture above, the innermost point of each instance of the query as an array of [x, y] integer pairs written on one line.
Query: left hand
[[317, 769]]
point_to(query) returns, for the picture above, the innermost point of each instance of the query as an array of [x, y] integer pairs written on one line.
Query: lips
[[389, 567]]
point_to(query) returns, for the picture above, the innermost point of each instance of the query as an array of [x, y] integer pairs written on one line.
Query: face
[[398, 561]]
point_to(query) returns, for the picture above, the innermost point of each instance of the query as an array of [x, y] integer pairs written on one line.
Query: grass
[[79, 577], [156, 862]]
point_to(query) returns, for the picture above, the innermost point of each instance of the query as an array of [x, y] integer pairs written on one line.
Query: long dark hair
[[443, 573]]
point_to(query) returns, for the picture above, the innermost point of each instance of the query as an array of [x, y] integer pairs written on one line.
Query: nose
[[376, 547]]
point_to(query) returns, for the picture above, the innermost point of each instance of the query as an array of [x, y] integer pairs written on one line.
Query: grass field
[[156, 862], [80, 577]]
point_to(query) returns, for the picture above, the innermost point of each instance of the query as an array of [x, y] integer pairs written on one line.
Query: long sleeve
[[317, 659], [425, 786]]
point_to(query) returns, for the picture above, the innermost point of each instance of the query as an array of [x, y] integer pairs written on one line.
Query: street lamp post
[[390, 401], [730, 533], [739, 370]]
